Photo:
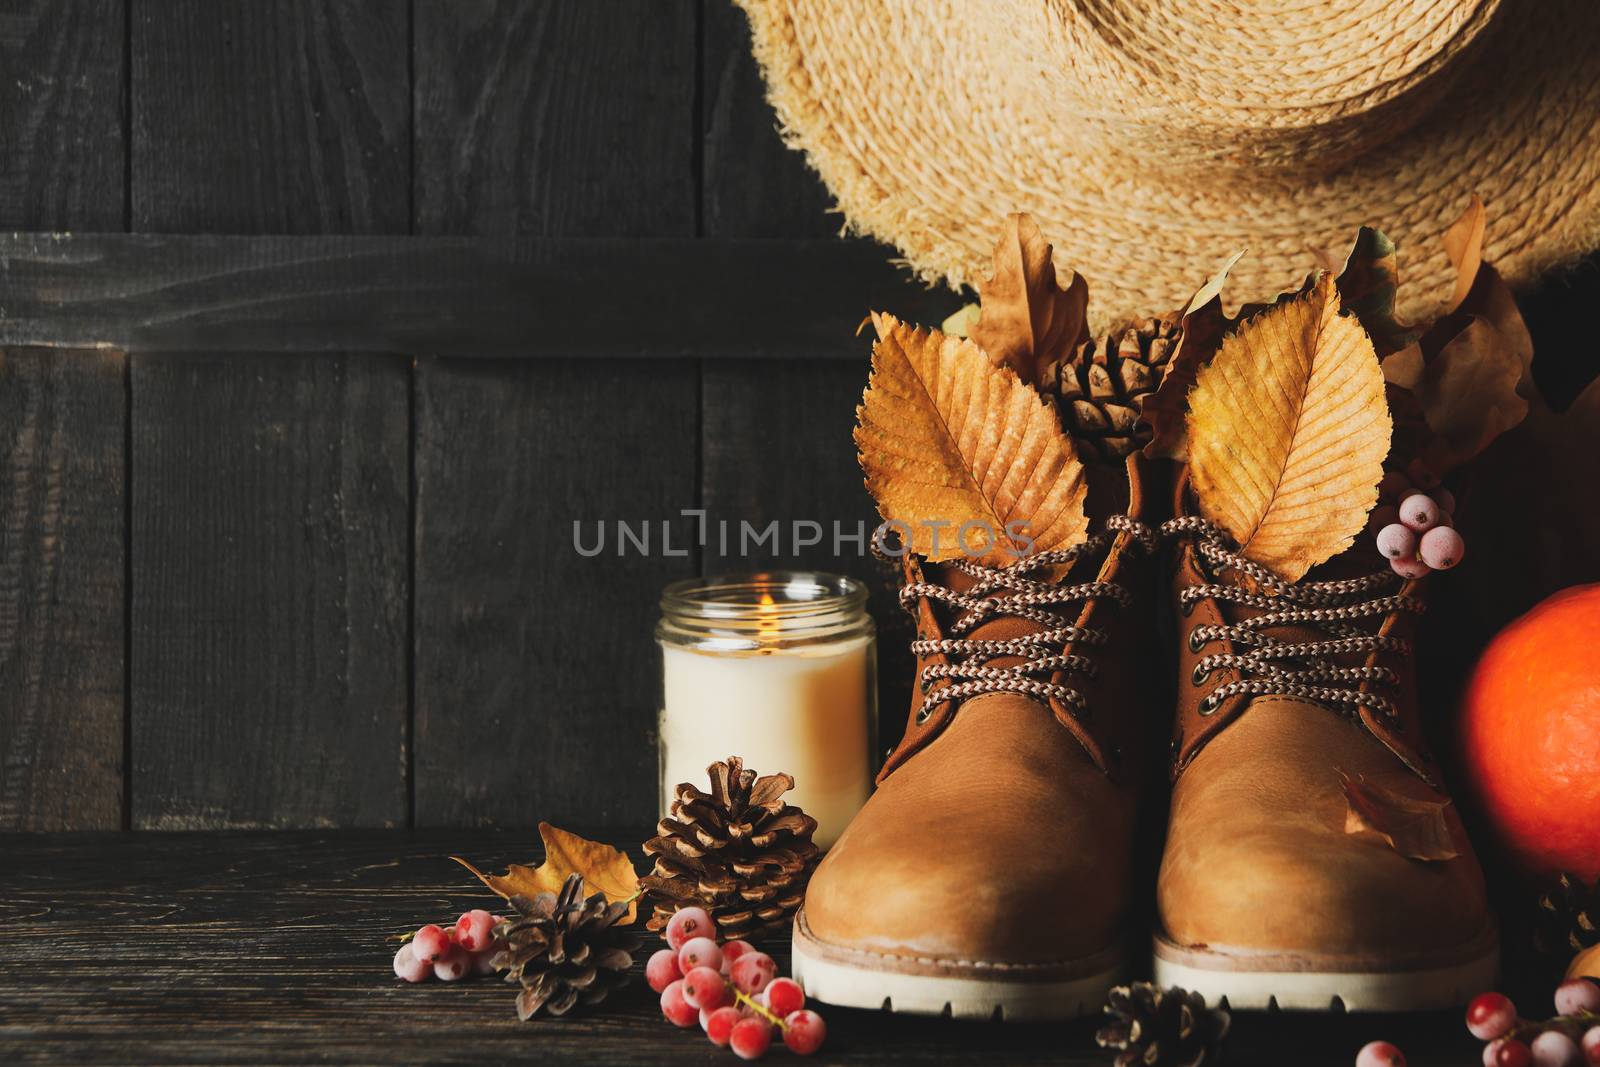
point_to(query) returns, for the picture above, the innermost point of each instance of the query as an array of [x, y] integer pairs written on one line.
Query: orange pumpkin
[[1530, 734]]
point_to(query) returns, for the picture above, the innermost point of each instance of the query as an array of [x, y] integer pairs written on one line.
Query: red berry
[[706, 989], [1421, 475], [699, 952], [408, 967], [752, 972], [803, 1032], [1577, 994], [1441, 548], [1393, 486], [784, 997], [750, 1038], [483, 962], [1591, 1046], [453, 964], [1420, 512], [1555, 1049], [662, 969], [679, 1012], [1397, 541], [429, 943], [687, 923], [1507, 1052], [720, 1023], [1489, 1015], [1409, 568], [474, 930], [732, 951]]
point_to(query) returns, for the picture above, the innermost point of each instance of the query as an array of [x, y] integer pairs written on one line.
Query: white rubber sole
[[955, 989], [1253, 981]]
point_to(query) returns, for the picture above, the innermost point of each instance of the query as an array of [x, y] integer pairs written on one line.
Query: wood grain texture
[[61, 588], [269, 567], [270, 116], [536, 675], [510, 297], [555, 117], [776, 446], [220, 948], [535, 671], [752, 185], [269, 591], [61, 115]]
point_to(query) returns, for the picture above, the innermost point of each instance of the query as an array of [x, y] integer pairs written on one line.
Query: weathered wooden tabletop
[[219, 948]]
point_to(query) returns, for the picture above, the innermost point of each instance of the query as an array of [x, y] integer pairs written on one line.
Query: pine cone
[[1100, 390], [564, 949], [1156, 1028], [739, 852], [1568, 918]]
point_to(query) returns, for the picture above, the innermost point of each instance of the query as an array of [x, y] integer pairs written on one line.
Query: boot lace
[[1013, 591], [1272, 665]]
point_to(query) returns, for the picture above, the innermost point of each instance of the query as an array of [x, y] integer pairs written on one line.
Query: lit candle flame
[[767, 623]]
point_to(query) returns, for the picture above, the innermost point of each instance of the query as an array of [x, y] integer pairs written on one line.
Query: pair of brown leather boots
[[994, 873]]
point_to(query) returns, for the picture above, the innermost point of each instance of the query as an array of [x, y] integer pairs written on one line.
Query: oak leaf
[[1475, 378], [1417, 829], [603, 868], [944, 436], [1367, 284], [1026, 318], [1288, 429], [1201, 325]]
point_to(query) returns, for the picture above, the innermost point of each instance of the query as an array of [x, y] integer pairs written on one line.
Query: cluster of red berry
[[732, 989], [465, 948], [1571, 1039], [1412, 523]]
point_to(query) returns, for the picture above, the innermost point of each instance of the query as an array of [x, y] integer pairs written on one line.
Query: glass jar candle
[[779, 669]]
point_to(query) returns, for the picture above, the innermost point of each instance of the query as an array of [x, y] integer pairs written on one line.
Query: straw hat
[[1151, 139]]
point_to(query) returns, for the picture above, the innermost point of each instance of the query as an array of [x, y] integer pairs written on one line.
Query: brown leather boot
[[989, 874], [1263, 897]]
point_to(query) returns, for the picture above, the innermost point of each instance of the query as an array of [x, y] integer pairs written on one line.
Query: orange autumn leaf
[[1417, 829], [1026, 318], [945, 437], [603, 868], [1288, 428]]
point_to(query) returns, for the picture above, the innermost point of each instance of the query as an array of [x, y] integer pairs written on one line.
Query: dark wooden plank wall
[[338, 589], [62, 436]]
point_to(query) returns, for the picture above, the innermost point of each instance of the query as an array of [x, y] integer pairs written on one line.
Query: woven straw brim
[[927, 133]]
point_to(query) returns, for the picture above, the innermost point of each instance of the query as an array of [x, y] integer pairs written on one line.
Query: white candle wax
[[799, 710]]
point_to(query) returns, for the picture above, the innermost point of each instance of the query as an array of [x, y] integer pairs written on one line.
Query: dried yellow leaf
[[1417, 829], [960, 452], [604, 870], [1288, 429], [1026, 318]]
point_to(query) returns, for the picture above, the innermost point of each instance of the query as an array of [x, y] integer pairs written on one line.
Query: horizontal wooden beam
[[457, 296]]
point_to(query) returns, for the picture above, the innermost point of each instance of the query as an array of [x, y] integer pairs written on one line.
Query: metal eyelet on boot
[[1198, 676], [1195, 643], [1208, 706]]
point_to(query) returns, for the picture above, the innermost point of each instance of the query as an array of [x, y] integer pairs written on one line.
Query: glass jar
[[780, 669]]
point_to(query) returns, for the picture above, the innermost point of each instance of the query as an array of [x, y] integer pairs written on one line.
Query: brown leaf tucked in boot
[[738, 851], [564, 949], [1101, 389], [1162, 1028]]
